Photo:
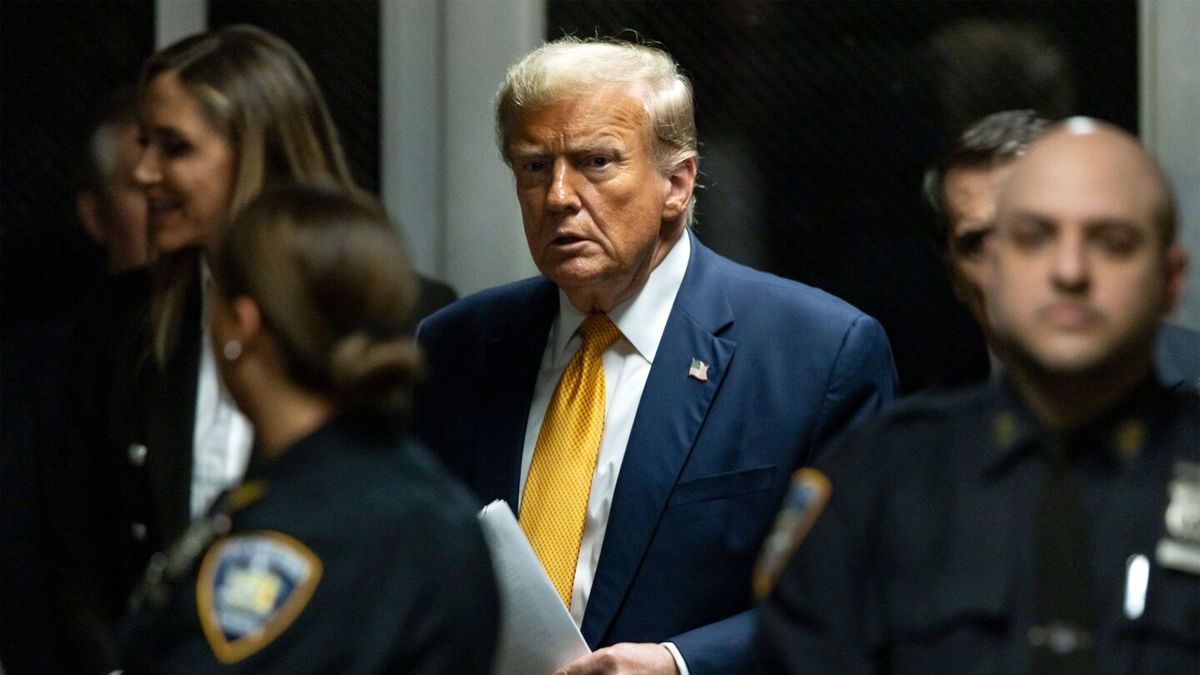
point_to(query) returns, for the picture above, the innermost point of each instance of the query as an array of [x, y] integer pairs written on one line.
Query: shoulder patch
[[804, 501], [251, 587]]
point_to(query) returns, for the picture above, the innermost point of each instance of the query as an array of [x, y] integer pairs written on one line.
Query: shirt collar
[[642, 318]]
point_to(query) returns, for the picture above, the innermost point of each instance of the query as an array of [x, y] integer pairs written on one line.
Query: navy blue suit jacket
[[707, 463], [1177, 356]]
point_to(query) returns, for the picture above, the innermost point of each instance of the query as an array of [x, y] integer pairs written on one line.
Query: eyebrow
[[1093, 223], [1109, 222], [525, 150], [602, 143]]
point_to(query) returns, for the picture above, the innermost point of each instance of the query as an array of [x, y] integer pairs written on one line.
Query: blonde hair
[[570, 67], [334, 287], [258, 91]]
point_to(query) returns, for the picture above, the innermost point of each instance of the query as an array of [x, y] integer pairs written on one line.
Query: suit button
[[138, 530], [137, 454]]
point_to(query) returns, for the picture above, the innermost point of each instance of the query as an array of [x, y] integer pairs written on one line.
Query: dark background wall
[[58, 60], [817, 119]]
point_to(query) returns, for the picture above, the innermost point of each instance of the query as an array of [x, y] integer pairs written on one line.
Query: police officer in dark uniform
[[347, 549], [1048, 522]]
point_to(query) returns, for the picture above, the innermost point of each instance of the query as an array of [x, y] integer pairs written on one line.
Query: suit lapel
[[170, 410], [670, 414], [506, 390]]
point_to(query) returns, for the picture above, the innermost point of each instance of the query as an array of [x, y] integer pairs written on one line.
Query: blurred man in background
[[34, 379], [1043, 522], [962, 189], [110, 204]]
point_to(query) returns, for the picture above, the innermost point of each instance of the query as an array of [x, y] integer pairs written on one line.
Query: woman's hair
[[334, 288], [258, 91]]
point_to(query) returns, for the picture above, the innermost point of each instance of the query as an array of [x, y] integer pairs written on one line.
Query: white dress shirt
[[221, 435], [641, 320]]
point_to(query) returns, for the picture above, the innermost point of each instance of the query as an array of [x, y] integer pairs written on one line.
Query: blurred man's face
[[126, 207], [1081, 275], [970, 196], [599, 214]]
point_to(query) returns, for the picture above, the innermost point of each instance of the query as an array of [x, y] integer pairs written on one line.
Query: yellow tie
[[560, 475]]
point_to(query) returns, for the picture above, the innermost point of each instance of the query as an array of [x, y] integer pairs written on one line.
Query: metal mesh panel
[[816, 120]]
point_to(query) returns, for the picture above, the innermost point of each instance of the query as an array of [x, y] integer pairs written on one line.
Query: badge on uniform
[[806, 498], [251, 588], [1180, 549]]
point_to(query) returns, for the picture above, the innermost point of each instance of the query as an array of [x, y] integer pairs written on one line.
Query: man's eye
[[971, 244], [175, 148], [599, 162], [1119, 242], [1030, 236], [535, 165]]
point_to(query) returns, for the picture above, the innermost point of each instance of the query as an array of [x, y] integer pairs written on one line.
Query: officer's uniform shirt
[[354, 552], [923, 561]]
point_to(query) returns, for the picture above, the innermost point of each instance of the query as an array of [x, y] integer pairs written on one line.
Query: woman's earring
[[233, 349]]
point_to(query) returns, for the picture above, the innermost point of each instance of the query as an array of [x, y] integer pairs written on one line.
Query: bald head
[[1082, 159], [1083, 265]]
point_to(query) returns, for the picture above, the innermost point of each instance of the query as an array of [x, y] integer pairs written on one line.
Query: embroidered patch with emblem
[[805, 500], [251, 587]]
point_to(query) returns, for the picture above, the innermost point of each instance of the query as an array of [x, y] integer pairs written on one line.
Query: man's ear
[[87, 206], [682, 181], [1176, 262]]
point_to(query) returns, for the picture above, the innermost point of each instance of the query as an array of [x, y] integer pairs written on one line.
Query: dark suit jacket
[[432, 295], [706, 464], [116, 505]]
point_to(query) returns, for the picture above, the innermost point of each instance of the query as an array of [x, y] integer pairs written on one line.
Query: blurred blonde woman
[[222, 115], [347, 548]]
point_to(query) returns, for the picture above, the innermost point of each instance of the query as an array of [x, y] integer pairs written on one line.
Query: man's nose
[[1070, 264], [561, 195]]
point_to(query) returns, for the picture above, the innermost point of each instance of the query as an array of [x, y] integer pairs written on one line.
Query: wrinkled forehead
[[598, 111]]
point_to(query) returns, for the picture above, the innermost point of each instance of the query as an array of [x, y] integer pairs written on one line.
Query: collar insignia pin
[[699, 370]]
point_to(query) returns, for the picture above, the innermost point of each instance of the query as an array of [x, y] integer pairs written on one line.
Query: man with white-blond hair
[[1046, 522], [642, 404]]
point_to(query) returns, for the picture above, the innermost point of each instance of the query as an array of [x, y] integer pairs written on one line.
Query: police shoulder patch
[[805, 499], [251, 587]]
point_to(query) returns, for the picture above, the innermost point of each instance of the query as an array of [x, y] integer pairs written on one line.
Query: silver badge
[[1180, 549]]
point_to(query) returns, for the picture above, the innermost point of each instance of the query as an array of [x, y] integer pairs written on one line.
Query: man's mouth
[[566, 240], [1070, 315], [159, 206]]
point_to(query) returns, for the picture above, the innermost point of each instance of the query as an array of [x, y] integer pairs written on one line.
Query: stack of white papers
[[537, 633]]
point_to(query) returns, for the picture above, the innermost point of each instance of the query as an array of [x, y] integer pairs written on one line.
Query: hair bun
[[376, 372]]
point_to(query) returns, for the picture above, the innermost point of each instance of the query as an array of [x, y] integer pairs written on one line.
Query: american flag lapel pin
[[699, 370]]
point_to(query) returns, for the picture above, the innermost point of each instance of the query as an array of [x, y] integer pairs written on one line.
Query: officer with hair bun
[[347, 548]]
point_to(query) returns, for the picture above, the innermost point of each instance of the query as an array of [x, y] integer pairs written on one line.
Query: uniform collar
[[360, 428], [1116, 438]]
